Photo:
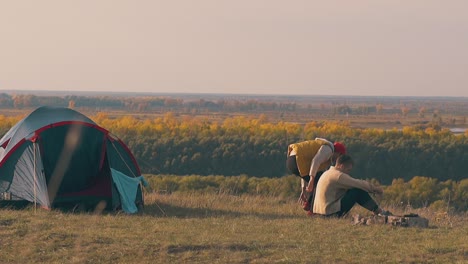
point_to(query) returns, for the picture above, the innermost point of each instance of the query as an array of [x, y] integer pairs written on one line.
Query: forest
[[255, 147]]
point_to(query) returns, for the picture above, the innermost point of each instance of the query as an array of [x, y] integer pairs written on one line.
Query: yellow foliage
[[9, 121], [100, 117]]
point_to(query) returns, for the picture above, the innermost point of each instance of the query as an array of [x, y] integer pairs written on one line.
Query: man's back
[[331, 187], [327, 193]]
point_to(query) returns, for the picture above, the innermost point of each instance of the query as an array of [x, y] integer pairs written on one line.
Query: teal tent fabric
[[127, 187]]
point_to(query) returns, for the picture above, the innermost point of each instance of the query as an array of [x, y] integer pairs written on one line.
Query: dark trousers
[[291, 164], [358, 196], [311, 198]]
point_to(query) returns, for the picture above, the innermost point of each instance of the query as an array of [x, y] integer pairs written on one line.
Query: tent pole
[[126, 164], [35, 177]]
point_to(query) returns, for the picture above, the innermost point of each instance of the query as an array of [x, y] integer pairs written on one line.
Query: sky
[[359, 47]]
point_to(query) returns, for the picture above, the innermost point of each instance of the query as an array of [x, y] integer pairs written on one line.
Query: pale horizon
[[272, 47]]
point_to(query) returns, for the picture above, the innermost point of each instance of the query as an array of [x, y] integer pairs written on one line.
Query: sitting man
[[337, 192]]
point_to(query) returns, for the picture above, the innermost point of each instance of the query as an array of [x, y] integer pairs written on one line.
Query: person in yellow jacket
[[308, 160]]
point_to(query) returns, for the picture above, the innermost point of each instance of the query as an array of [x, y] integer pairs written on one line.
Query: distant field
[[15, 112], [212, 228], [383, 121], [358, 111]]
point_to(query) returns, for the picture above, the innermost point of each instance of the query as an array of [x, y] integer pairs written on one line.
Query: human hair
[[344, 160]]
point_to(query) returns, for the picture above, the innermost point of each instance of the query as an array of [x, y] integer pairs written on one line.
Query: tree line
[[145, 103], [281, 105], [255, 147]]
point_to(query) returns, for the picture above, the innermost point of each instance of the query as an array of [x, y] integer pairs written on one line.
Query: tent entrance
[[75, 165], [99, 191]]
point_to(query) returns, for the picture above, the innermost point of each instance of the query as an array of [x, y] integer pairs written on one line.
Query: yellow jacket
[[305, 151]]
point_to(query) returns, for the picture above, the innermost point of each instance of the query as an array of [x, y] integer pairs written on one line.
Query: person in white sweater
[[337, 192]]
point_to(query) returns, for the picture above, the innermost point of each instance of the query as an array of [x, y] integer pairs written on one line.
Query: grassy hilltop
[[262, 224], [216, 228]]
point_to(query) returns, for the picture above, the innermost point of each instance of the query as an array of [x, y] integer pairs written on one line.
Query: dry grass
[[210, 228]]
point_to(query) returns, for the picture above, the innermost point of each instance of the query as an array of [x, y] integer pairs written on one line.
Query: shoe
[[385, 213], [306, 206], [310, 213]]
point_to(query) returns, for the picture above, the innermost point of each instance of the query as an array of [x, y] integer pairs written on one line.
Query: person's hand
[[310, 188], [378, 189], [303, 197]]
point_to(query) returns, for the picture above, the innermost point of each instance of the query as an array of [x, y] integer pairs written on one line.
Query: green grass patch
[[215, 228]]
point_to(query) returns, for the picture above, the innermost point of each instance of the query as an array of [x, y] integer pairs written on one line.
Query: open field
[[214, 228], [358, 111]]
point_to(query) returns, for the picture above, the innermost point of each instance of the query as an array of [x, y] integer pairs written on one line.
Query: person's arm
[[324, 153], [349, 182], [290, 150], [302, 197], [303, 183]]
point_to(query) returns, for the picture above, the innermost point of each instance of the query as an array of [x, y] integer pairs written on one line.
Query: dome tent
[[58, 157]]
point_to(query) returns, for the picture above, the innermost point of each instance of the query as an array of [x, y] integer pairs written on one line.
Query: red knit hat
[[339, 147]]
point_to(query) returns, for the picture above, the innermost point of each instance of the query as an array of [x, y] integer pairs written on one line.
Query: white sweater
[[332, 186]]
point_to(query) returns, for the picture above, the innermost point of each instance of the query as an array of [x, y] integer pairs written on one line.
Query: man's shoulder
[[337, 175], [344, 177], [332, 172]]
